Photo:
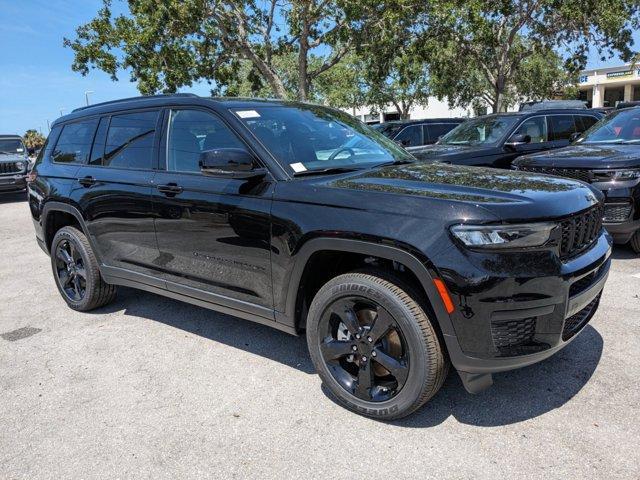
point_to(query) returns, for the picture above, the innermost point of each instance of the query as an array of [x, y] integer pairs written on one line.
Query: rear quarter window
[[130, 140], [74, 142]]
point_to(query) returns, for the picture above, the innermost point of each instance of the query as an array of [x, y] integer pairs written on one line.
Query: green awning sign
[[622, 73]]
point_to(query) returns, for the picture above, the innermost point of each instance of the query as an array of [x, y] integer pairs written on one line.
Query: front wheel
[[374, 346]]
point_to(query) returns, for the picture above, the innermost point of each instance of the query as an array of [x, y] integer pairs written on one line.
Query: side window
[[74, 142], [536, 128], [129, 141], [192, 132], [562, 126], [410, 136], [586, 122], [45, 151], [437, 130]]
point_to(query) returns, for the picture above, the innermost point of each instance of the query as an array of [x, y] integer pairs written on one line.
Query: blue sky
[[36, 80]]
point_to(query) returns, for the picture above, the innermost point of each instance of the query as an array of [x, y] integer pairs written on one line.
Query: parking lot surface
[[149, 387]]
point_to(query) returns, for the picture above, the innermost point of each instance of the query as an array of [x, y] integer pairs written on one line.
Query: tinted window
[[622, 126], [586, 122], [410, 136], [130, 140], [481, 131], [74, 142], [437, 130], [192, 132], [561, 126], [536, 128]]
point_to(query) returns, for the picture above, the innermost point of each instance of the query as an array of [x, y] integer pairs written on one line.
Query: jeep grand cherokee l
[[498, 139], [302, 218], [608, 157], [14, 163]]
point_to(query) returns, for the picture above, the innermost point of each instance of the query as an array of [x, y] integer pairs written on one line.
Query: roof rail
[[141, 97]]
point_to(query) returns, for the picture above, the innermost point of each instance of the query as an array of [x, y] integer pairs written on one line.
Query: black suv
[[413, 134], [496, 140], [14, 163], [302, 218], [608, 157]]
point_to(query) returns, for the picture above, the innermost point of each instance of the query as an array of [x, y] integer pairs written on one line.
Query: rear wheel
[[635, 242], [374, 346], [76, 272]]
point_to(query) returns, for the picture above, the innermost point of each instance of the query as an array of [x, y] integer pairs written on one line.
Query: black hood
[[447, 153], [589, 156], [402, 189]]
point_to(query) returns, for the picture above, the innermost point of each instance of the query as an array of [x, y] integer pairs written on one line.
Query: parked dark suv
[[496, 140], [414, 134], [14, 163], [302, 218], [608, 157]]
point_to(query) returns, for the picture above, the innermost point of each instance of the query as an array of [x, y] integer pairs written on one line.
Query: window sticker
[[247, 114], [298, 167]]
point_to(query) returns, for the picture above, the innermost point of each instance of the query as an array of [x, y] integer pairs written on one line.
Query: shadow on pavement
[[13, 197], [515, 396], [624, 252]]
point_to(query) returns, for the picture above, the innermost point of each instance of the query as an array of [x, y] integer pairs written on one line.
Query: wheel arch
[[49, 212], [418, 268]]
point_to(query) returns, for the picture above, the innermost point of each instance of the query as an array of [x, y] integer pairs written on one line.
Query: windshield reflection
[[480, 131]]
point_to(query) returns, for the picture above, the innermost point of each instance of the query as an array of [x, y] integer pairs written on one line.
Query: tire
[[91, 291], [635, 241], [391, 395]]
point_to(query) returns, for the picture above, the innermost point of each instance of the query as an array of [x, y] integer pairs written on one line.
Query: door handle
[[170, 189], [87, 181]]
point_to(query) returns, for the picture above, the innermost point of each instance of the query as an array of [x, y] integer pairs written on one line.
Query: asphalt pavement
[[149, 387]]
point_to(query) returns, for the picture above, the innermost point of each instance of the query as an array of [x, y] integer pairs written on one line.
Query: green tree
[[33, 139], [505, 48], [168, 44]]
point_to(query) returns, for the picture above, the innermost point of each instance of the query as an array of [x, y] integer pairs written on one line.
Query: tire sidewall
[[68, 234], [418, 353]]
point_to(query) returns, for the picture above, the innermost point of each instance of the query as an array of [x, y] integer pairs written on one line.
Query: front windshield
[[619, 127], [11, 145], [309, 137], [480, 131]]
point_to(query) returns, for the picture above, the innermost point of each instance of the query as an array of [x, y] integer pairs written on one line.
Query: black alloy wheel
[[70, 271], [364, 349]]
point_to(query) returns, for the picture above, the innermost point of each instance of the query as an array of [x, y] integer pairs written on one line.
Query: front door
[[213, 233], [114, 190]]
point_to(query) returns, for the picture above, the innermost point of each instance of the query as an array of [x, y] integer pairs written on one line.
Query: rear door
[[213, 233], [113, 190]]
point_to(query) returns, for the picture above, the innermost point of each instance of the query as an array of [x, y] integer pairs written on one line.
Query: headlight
[[616, 175], [504, 236], [20, 165]]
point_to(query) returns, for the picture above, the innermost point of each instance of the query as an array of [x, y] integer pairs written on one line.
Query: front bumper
[[510, 316], [12, 183]]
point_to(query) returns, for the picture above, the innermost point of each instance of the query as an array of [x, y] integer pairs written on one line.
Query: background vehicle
[[552, 104], [14, 163], [302, 218], [412, 134], [608, 157], [496, 140]]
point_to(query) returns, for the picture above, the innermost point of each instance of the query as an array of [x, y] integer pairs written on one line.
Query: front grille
[[617, 212], [580, 231], [574, 323], [513, 333], [9, 167], [574, 173]]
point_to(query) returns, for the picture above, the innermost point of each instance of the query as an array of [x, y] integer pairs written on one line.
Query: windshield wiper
[[406, 161], [323, 171]]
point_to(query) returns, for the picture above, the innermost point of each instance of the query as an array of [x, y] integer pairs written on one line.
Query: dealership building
[[604, 87]]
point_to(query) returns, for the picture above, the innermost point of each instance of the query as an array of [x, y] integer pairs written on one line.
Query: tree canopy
[[33, 139]]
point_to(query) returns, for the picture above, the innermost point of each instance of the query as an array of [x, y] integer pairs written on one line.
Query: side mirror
[[575, 136], [229, 163], [517, 140]]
